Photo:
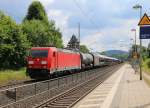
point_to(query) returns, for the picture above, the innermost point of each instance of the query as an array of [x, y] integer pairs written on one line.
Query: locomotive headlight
[[43, 62], [30, 62]]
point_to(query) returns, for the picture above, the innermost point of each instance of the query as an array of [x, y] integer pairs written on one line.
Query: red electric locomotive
[[46, 61]]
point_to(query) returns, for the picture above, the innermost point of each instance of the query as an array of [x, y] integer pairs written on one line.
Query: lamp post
[[137, 6], [140, 8], [135, 48], [79, 35], [132, 43]]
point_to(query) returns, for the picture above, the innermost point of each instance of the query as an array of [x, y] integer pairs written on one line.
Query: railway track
[[24, 82], [16, 84], [26, 96], [73, 95]]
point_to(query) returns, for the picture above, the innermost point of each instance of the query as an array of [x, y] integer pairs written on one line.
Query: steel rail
[[73, 95]]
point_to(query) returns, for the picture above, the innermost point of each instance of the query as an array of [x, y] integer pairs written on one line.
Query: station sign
[[145, 32], [144, 27]]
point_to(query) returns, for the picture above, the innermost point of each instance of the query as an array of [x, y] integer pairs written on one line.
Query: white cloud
[[81, 1], [112, 38], [46, 2], [60, 18], [90, 40]]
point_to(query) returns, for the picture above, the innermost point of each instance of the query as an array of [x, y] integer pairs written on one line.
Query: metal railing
[[54, 86]]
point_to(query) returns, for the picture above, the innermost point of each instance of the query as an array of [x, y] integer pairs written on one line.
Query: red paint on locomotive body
[[67, 60], [52, 59], [44, 61]]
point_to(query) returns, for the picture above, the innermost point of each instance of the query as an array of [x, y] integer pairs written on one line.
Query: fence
[[49, 87]]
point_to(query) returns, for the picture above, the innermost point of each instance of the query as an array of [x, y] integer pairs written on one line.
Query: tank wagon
[[44, 62], [86, 60]]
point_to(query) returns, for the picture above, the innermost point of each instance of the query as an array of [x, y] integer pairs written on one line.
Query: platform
[[121, 90]]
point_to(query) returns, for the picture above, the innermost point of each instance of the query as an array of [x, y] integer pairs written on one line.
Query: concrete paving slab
[[96, 98], [122, 90], [133, 93]]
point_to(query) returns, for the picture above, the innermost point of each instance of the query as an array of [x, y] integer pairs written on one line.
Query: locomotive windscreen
[[39, 53]]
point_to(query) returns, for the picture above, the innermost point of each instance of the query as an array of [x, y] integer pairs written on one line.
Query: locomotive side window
[[39, 53]]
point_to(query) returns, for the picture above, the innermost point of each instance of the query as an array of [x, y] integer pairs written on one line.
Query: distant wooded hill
[[116, 54]]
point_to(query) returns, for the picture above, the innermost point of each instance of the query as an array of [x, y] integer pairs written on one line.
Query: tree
[[36, 32], [40, 31], [13, 43], [57, 39], [84, 49], [148, 49], [36, 11], [40, 34], [73, 43], [144, 51]]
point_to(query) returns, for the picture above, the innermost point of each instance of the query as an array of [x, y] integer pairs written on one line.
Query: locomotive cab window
[[39, 53]]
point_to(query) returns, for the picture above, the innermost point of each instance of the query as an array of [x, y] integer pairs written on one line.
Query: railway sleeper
[[65, 103], [62, 101], [58, 105], [69, 98], [49, 106]]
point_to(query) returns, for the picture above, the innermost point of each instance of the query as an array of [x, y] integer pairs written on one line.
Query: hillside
[[116, 54]]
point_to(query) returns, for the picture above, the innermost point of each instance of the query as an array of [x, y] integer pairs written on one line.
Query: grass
[[8, 76], [145, 67]]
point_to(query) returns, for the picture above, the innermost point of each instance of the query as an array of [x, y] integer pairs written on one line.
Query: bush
[[148, 63], [13, 43], [42, 34]]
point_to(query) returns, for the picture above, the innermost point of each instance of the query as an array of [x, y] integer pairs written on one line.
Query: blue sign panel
[[145, 32]]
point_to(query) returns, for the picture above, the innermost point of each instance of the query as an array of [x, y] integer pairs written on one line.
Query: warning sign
[[145, 20]]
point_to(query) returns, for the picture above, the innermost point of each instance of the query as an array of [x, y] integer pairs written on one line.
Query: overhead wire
[[86, 15]]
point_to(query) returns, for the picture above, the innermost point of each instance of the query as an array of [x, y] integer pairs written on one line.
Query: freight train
[[44, 62]]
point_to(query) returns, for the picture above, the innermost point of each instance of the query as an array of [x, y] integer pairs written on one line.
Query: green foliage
[[40, 31], [41, 34], [145, 66], [36, 11], [35, 30], [7, 75], [56, 39], [145, 57], [84, 49], [148, 53], [144, 51], [13, 43], [148, 63], [121, 56]]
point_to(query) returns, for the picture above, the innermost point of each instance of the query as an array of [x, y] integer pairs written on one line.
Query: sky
[[104, 24]]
